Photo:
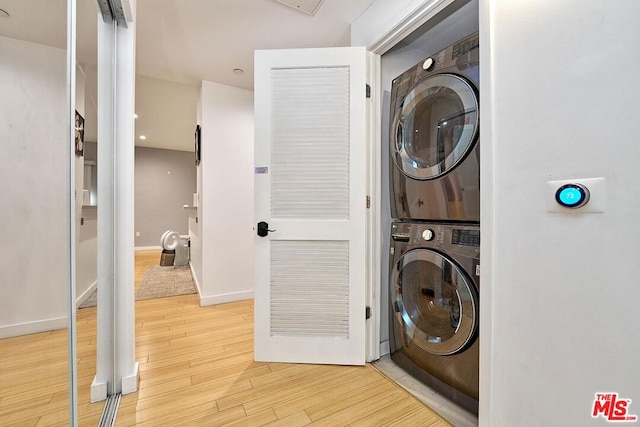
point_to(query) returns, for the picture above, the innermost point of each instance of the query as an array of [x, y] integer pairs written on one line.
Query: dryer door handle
[[400, 237]]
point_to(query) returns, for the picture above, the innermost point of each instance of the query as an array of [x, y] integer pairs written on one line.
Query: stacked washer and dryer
[[435, 232]]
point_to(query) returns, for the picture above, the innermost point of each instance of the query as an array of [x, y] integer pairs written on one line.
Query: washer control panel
[[461, 239], [465, 237]]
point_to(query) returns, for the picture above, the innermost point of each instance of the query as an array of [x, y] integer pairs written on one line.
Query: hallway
[[197, 368]]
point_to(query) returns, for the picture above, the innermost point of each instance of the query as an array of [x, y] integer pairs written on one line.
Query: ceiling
[[180, 43]]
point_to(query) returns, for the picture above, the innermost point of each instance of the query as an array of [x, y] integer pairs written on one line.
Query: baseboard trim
[[130, 382], [27, 328], [86, 294], [195, 279], [384, 348], [98, 391], [225, 298], [147, 248]]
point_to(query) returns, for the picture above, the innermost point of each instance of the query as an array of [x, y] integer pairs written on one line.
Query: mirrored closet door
[[38, 148]]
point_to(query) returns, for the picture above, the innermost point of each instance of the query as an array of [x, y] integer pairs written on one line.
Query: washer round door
[[435, 126], [435, 302]]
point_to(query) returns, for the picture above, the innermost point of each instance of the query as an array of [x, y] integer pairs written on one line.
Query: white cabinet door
[[311, 189]]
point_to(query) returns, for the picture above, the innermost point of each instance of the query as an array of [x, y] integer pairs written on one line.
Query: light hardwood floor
[[197, 369]]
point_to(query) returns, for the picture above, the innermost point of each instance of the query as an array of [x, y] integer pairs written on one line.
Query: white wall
[[560, 292], [165, 181], [225, 186], [34, 203]]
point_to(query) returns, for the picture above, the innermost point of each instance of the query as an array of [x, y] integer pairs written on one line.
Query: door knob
[[263, 229]]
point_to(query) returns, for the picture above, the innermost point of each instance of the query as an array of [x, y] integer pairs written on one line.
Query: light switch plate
[[597, 196]]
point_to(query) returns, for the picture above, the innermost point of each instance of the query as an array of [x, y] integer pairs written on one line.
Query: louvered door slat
[[310, 143]]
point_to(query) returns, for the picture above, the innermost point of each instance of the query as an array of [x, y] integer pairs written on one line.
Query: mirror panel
[[35, 208]]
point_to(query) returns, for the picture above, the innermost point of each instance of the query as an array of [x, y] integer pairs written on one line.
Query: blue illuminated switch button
[[572, 196]]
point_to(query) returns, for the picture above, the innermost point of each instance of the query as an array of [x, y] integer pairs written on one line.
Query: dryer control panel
[[466, 45]]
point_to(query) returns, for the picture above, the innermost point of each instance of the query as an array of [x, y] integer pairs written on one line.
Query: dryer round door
[[435, 302], [435, 126]]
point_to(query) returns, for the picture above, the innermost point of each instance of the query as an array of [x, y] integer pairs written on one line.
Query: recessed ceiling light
[[142, 137], [4, 13], [238, 71], [135, 116]]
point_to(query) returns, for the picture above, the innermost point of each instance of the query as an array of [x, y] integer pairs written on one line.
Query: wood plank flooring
[[197, 369], [34, 389]]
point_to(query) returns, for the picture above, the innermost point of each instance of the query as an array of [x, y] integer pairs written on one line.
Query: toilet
[[171, 241]]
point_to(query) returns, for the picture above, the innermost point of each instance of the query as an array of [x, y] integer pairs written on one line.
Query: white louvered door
[[311, 188]]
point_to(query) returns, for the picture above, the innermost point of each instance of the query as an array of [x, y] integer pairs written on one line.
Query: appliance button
[[428, 234], [428, 63]]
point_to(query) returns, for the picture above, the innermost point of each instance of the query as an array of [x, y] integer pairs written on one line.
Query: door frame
[[116, 368]]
